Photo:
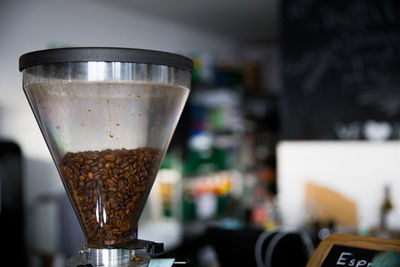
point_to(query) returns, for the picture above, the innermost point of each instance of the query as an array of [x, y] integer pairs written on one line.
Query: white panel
[[357, 170]]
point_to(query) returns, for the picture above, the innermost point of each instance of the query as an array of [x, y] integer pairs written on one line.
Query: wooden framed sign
[[350, 250]]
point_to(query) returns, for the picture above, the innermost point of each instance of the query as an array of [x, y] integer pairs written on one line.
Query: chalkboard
[[350, 250], [349, 256], [340, 69]]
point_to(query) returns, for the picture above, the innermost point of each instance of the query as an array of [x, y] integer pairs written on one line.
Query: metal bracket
[[151, 247]]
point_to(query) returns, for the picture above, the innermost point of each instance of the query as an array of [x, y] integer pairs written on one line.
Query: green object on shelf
[[172, 160], [189, 209], [218, 119], [222, 204], [199, 162], [167, 213], [167, 162]]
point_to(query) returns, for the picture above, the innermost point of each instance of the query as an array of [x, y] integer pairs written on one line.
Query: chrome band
[[115, 257], [108, 257]]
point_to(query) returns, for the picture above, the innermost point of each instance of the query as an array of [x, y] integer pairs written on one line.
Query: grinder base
[[135, 253]]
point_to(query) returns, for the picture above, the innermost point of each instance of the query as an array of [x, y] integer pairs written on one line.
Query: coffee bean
[[109, 157], [88, 161], [86, 167], [118, 161], [109, 189], [110, 182], [112, 189], [115, 230]]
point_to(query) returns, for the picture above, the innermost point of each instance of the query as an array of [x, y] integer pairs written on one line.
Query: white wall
[[357, 170], [32, 25]]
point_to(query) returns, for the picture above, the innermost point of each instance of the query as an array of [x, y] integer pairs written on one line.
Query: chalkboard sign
[[349, 256], [351, 250], [341, 69]]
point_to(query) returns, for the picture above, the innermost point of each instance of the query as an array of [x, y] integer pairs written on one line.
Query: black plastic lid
[[113, 54]]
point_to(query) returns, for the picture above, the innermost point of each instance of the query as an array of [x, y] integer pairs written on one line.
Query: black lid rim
[[106, 54]]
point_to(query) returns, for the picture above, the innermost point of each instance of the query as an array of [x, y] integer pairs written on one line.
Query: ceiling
[[243, 21]]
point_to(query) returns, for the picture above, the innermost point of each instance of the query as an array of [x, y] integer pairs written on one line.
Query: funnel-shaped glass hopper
[[107, 116]]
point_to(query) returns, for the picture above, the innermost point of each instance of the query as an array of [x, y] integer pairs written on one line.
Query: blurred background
[[290, 132]]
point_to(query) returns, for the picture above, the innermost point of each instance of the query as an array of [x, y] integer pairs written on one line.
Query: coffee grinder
[[107, 116]]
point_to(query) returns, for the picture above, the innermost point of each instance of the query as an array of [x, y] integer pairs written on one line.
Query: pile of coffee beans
[[109, 189]]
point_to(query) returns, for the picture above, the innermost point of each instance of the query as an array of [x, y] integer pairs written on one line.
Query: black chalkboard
[[354, 250], [340, 69], [349, 256]]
